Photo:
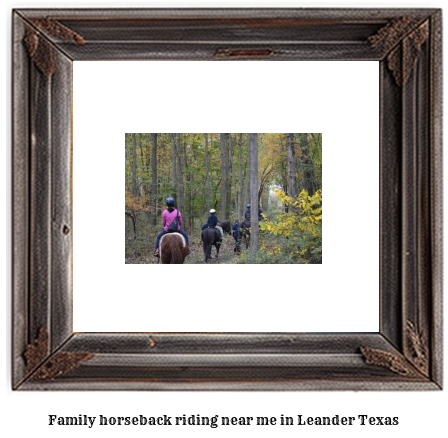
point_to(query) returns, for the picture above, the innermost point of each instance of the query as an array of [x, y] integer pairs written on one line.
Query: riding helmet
[[248, 205], [212, 211], [170, 202]]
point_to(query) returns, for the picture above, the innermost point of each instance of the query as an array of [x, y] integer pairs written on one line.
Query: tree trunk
[[223, 138], [267, 202], [284, 171], [240, 180], [228, 182], [317, 165], [253, 152], [145, 186], [128, 183], [292, 182], [154, 177], [133, 223], [187, 197], [306, 165], [173, 175], [179, 199], [134, 167], [232, 171], [207, 175], [248, 172]]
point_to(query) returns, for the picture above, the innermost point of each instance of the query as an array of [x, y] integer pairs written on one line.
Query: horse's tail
[[207, 246], [207, 242], [176, 254]]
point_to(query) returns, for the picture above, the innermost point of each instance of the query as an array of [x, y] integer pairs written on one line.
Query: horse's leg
[[210, 251], [205, 248], [217, 245], [208, 254], [217, 249]]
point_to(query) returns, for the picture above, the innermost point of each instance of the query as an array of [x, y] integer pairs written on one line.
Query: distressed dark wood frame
[[406, 354]]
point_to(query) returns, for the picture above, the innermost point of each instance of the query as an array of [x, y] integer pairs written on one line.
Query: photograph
[[231, 198]]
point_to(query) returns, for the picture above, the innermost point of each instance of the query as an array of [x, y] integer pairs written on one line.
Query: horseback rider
[[169, 216], [212, 222], [247, 213]]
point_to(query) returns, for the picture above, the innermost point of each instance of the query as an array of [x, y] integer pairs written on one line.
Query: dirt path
[[226, 255], [220, 260]]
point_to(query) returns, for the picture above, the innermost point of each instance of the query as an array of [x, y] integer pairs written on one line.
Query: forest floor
[[226, 253], [196, 256]]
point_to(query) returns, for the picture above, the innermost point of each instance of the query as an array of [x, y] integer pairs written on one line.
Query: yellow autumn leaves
[[299, 231]]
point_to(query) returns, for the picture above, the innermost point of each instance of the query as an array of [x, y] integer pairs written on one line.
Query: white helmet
[[212, 210]]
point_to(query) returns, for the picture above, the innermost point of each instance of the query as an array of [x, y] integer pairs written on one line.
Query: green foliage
[[264, 257], [297, 233]]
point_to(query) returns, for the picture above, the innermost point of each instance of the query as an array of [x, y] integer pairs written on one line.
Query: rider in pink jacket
[[168, 216]]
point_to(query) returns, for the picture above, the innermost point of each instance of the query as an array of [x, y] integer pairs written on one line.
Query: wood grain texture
[[391, 236], [20, 201], [436, 195], [61, 200], [410, 335], [40, 200]]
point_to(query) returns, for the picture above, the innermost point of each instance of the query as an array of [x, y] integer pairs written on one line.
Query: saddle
[[219, 233], [173, 233]]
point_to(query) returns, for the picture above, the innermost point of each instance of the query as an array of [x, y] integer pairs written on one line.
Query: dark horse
[[172, 249], [245, 232], [210, 237], [225, 225]]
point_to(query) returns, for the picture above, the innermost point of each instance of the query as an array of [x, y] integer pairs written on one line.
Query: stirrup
[[156, 253]]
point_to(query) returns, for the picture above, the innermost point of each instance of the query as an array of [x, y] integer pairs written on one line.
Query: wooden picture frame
[[406, 353]]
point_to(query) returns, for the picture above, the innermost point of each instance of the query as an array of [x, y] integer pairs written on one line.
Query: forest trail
[[226, 254], [220, 260]]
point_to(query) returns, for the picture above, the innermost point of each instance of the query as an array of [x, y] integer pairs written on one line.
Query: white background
[[111, 98], [420, 414]]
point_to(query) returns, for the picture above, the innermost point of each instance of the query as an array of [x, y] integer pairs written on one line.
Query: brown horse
[[172, 249]]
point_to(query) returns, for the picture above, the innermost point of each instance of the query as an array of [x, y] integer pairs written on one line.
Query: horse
[[225, 225], [245, 232], [172, 249], [210, 237]]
